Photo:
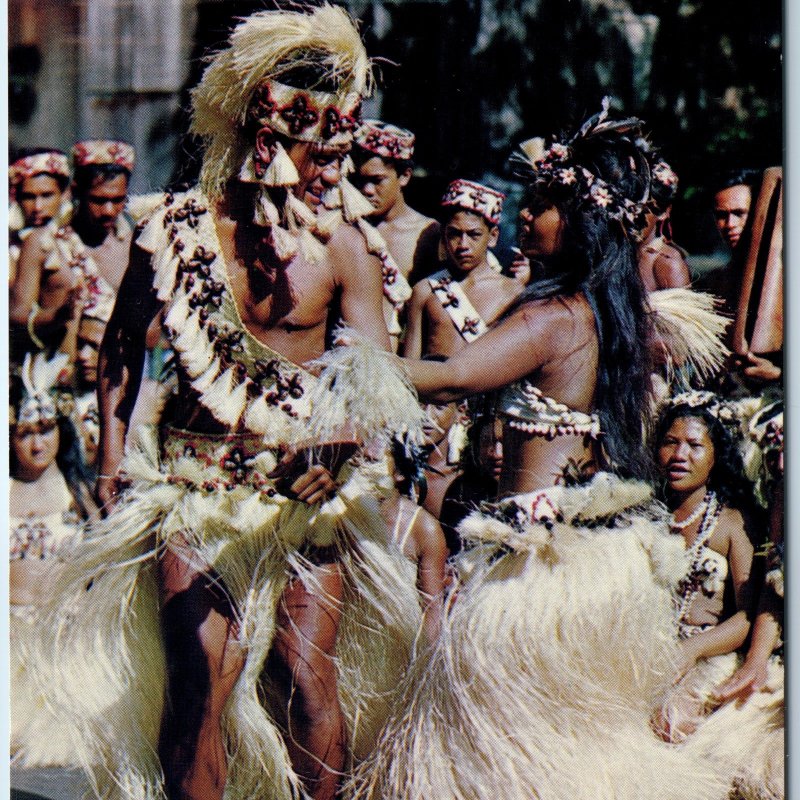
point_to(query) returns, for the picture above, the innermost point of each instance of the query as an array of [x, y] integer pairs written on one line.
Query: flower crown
[[557, 171], [706, 401]]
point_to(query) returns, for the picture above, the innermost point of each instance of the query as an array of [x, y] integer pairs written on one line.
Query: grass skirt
[[100, 657], [39, 737], [747, 737], [559, 643]]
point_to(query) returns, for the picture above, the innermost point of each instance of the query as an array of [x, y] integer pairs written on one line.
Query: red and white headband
[[476, 197], [50, 163], [103, 151], [385, 140], [306, 115]]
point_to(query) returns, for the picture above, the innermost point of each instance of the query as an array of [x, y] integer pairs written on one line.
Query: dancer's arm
[[515, 348], [120, 366]]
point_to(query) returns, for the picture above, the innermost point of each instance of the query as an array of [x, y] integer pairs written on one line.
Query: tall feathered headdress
[[40, 400], [244, 84]]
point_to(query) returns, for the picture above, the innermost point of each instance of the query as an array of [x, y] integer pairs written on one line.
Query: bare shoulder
[[421, 291], [670, 269], [428, 530], [347, 241], [733, 526], [569, 309], [38, 242]]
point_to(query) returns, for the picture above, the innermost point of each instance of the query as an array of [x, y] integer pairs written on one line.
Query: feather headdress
[[40, 377], [265, 47]]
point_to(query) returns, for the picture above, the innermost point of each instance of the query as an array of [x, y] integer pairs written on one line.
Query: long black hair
[[598, 258]]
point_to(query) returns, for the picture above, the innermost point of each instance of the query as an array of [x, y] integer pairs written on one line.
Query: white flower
[[601, 196]]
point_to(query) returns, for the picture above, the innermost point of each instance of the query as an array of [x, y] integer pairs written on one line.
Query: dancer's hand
[[315, 485], [106, 492], [307, 474], [749, 678]]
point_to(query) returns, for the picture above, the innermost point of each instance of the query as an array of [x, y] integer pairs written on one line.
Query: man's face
[[467, 239], [90, 335], [731, 209], [380, 183], [39, 197], [102, 204], [320, 169]]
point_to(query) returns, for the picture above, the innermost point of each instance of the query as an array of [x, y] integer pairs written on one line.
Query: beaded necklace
[[693, 517], [690, 585]]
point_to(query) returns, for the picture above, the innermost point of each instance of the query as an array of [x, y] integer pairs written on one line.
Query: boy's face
[[467, 239], [381, 184]]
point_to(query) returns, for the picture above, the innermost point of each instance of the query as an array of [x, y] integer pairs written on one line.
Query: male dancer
[[248, 561]]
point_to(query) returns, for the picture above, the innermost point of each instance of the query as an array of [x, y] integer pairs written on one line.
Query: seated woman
[[562, 634], [712, 510], [46, 514], [707, 494]]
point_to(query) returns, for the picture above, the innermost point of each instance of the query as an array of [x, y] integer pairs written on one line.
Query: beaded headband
[[385, 140], [557, 171], [475, 197], [102, 151], [40, 401], [304, 114], [50, 163]]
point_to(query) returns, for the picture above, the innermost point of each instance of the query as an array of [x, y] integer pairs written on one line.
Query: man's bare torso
[[403, 235]]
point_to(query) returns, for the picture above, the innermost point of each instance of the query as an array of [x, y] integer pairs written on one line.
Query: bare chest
[[111, 259]]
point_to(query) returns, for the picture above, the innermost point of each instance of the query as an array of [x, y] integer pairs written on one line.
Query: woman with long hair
[[46, 514], [561, 635]]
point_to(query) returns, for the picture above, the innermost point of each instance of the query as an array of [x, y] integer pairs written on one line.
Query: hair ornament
[[709, 402]]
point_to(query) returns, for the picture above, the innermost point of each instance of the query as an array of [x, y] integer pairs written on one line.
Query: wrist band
[[35, 309]]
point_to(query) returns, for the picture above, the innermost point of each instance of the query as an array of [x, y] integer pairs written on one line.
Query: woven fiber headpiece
[[51, 163], [250, 81], [104, 151], [385, 140], [475, 197]]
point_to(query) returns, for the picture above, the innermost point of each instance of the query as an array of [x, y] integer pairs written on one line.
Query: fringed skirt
[[555, 651], [745, 738], [100, 657], [39, 737]]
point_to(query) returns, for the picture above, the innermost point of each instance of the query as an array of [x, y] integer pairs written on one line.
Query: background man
[[39, 180], [383, 156], [455, 306], [77, 267]]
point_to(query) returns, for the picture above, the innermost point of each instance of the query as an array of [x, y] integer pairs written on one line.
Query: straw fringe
[[691, 330], [544, 678], [106, 637]]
